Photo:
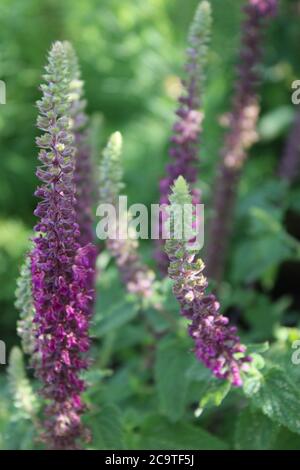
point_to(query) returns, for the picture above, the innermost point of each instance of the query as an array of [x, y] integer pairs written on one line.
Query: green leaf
[[277, 397], [293, 199], [263, 247], [262, 315], [287, 440], [275, 122], [268, 197], [214, 393], [211, 390], [106, 426], [254, 257], [254, 431], [118, 316], [282, 353], [95, 376], [119, 387], [160, 434], [172, 360], [19, 435]]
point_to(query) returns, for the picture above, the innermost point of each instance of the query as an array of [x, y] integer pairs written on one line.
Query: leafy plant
[[119, 354]]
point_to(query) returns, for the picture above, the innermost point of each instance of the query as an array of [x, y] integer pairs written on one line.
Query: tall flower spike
[[83, 177], [241, 133], [290, 162], [60, 267], [188, 126], [24, 304], [137, 278], [216, 343]]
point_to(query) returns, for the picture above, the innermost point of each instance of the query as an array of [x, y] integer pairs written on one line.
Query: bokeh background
[[131, 53]]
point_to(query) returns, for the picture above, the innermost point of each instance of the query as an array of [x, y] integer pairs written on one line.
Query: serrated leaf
[[254, 431], [160, 434], [172, 360], [282, 354], [278, 398]]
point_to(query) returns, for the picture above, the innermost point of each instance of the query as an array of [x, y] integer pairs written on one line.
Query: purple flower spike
[[240, 136], [188, 126], [216, 344], [61, 269]]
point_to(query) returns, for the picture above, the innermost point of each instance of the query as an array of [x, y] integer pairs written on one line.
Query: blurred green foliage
[[131, 53]]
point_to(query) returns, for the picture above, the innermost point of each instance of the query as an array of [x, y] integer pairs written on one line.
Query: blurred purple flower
[[136, 276], [265, 7], [240, 136], [187, 129]]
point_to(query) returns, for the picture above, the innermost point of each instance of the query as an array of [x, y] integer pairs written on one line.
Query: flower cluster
[[216, 343], [60, 267], [187, 129], [241, 132], [137, 277]]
